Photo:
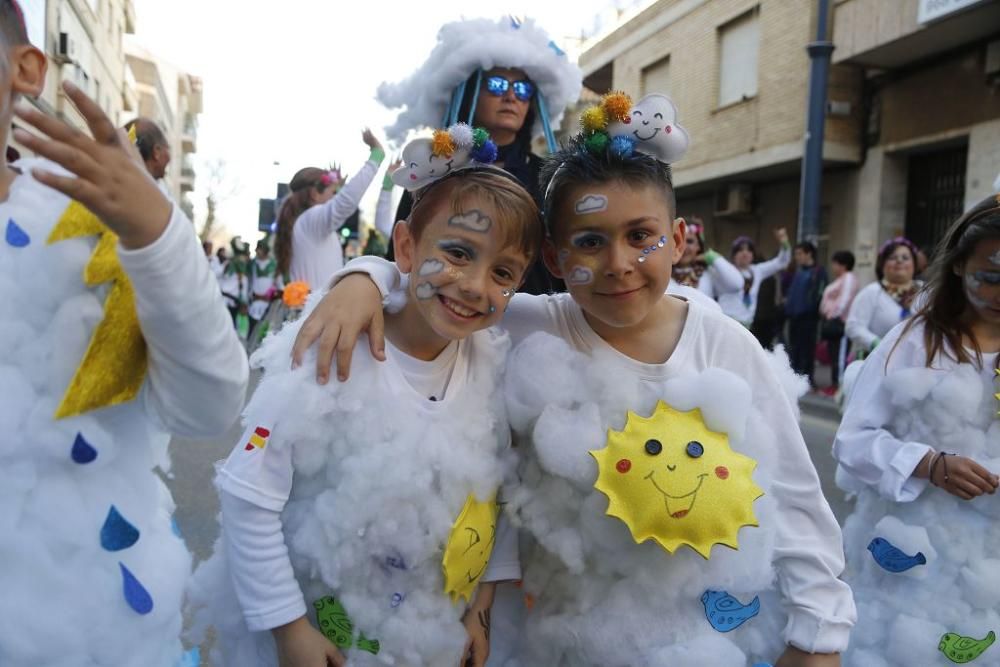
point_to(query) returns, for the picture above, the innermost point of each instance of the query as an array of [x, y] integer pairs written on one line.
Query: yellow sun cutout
[[469, 547], [671, 479]]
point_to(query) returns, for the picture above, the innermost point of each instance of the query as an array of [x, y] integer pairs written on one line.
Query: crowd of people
[[556, 437]]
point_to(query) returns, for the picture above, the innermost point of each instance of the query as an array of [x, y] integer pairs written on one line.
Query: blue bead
[[117, 533], [16, 236], [136, 595], [82, 451]]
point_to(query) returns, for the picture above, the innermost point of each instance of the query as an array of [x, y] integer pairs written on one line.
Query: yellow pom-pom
[[594, 119], [617, 105], [442, 145]]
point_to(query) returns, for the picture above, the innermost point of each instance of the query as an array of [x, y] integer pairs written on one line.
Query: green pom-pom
[[597, 142], [479, 137]]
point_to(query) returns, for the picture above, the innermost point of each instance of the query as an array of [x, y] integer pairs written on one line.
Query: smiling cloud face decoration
[[670, 479], [421, 166], [652, 122]]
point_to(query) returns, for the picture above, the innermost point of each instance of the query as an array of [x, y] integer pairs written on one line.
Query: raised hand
[[370, 139], [110, 178]]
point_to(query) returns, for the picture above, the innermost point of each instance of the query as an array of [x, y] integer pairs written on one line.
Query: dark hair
[[888, 248], [516, 156], [946, 303], [298, 200], [148, 136], [845, 258], [514, 208], [806, 246], [12, 24], [743, 242], [574, 164]]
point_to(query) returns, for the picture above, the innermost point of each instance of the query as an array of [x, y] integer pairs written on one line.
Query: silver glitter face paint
[[972, 285], [426, 291], [580, 275], [430, 267], [507, 293], [474, 221], [591, 204]]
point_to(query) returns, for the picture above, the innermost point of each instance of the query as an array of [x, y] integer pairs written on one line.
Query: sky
[[293, 83]]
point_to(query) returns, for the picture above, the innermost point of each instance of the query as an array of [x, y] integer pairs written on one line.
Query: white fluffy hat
[[464, 46]]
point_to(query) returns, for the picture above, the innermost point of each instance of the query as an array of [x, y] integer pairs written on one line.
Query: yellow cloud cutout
[[670, 479]]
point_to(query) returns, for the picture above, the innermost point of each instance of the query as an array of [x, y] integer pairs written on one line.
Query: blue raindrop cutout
[[136, 595], [16, 236], [117, 533], [83, 451]]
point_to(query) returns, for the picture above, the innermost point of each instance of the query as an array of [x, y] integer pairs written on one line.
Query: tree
[[219, 187]]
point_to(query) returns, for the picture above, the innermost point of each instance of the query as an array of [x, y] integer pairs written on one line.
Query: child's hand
[[302, 645], [394, 167], [352, 307], [781, 235], [370, 140], [961, 476], [110, 178], [477, 627], [793, 657]]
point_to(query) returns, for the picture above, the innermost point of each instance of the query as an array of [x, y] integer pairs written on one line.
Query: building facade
[[738, 71]]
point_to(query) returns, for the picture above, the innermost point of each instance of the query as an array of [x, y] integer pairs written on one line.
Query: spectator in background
[[741, 305], [214, 263], [802, 309], [153, 147], [885, 303], [836, 303]]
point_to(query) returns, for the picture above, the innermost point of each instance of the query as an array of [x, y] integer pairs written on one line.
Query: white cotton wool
[[600, 598], [62, 595], [796, 386], [378, 474]]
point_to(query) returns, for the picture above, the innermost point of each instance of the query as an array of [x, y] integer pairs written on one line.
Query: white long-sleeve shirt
[[873, 314], [720, 277], [255, 489], [808, 553], [864, 446], [384, 213], [743, 309], [316, 250]]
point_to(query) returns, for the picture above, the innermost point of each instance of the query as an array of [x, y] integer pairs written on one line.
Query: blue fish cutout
[[16, 236], [136, 595], [725, 612], [117, 533], [892, 559], [174, 528], [190, 659], [83, 452]]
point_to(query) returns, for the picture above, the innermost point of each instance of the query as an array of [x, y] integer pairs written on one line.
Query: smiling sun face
[[469, 547], [671, 479]]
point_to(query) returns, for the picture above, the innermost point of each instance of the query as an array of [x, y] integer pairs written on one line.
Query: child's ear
[[404, 245], [28, 66], [551, 258], [679, 236]]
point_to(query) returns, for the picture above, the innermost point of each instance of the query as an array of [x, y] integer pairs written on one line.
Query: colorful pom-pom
[[623, 145], [486, 154], [461, 135], [594, 119], [295, 294], [442, 144], [480, 137], [597, 142], [617, 105]]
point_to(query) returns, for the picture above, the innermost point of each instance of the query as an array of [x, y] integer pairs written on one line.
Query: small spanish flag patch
[[258, 439]]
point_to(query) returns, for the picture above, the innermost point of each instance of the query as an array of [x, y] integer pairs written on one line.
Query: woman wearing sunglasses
[[506, 76]]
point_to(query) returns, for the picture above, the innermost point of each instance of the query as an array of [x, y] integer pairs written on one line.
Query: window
[[656, 77], [738, 46]]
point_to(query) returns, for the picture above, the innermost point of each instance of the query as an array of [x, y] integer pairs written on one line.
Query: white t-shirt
[[873, 314], [742, 308], [720, 277], [316, 250], [256, 485]]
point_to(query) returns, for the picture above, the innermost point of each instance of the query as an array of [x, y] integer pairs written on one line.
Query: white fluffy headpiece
[[464, 46]]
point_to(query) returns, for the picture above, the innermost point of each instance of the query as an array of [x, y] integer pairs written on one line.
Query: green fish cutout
[[961, 650], [336, 626]]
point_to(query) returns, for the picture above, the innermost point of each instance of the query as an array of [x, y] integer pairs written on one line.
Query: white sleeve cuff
[[383, 273], [238, 488], [816, 635], [898, 482], [504, 571]]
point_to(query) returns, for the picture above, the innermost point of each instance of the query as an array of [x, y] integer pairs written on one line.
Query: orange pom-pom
[[442, 145], [295, 294], [594, 119], [617, 105]]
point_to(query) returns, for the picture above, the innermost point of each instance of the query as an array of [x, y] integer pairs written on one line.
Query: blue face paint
[[588, 240], [457, 249], [987, 277]]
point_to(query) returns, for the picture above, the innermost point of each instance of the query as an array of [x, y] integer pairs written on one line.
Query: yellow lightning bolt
[[114, 366]]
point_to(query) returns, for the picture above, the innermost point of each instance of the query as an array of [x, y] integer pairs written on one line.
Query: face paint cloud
[[431, 267], [591, 204], [426, 291]]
